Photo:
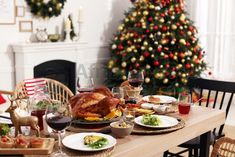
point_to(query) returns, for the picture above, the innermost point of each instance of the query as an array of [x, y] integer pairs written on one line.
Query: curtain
[[216, 24]]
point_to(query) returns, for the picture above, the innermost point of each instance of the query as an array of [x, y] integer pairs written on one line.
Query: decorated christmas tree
[[157, 37]]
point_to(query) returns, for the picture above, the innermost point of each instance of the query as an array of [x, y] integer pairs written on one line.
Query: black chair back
[[218, 94]]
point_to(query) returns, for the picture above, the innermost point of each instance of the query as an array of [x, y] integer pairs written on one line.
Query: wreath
[[46, 8]]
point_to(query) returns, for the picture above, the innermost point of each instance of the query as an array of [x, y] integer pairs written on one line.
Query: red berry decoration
[[120, 47], [187, 66], [146, 54], [156, 63]]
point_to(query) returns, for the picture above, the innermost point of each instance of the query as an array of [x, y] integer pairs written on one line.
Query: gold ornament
[[150, 49], [177, 84], [145, 43], [151, 6], [151, 36], [175, 57], [189, 33], [123, 64], [174, 27], [142, 48], [145, 13], [134, 14], [148, 66], [141, 58], [128, 49], [182, 41], [133, 59], [162, 20], [120, 28], [124, 77], [114, 70], [147, 80], [127, 20], [152, 56], [182, 18], [183, 75], [182, 60], [165, 81]]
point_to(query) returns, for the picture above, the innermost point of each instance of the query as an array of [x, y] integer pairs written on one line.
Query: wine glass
[[118, 92], [85, 84], [59, 116], [136, 78], [184, 102]]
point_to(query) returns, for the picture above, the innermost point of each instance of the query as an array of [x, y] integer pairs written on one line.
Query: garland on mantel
[[46, 8]]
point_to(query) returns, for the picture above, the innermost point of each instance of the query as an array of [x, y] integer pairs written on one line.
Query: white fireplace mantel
[[28, 55]]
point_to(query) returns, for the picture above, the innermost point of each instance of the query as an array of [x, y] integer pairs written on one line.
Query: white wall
[[101, 18]]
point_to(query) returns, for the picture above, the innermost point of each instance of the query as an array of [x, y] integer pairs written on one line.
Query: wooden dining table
[[199, 122]]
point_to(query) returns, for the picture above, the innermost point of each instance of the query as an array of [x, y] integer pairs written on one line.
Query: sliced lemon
[[113, 114]]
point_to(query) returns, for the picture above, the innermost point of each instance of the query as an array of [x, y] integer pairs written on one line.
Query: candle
[[67, 24], [80, 15]]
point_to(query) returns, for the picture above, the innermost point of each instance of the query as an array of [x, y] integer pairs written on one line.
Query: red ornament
[[162, 15], [191, 28], [166, 56], [167, 65], [124, 54], [173, 68], [129, 42], [164, 28], [178, 24], [147, 31], [159, 49], [171, 55], [182, 32], [118, 53], [150, 19], [167, 73], [143, 36], [146, 54], [137, 65], [155, 27], [136, 35], [120, 47], [173, 76], [188, 44], [187, 66], [156, 63], [181, 55], [177, 9]]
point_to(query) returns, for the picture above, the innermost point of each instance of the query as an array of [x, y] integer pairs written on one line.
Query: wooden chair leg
[[190, 153], [195, 152]]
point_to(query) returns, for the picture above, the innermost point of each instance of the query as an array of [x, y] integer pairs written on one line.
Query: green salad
[[95, 142], [150, 120]]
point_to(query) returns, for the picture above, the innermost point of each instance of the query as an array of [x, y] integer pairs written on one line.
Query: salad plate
[[159, 99], [164, 122], [76, 141]]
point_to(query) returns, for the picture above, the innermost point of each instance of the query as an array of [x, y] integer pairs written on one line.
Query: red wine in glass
[[59, 123], [136, 82]]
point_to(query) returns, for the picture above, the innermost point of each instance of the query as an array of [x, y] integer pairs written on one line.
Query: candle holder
[[67, 36]]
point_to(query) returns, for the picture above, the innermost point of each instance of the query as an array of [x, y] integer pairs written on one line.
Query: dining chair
[[56, 90], [219, 95], [224, 147]]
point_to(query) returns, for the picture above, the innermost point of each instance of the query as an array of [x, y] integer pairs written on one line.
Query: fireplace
[[60, 70]]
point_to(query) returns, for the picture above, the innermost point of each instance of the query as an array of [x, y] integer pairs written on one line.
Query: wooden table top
[[198, 121]]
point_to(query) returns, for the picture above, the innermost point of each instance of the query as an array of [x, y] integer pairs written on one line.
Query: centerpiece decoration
[[46, 8]]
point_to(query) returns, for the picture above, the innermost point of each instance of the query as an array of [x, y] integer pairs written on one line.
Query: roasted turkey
[[97, 103]]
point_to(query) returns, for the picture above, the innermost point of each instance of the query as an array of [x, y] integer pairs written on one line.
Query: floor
[[228, 130]]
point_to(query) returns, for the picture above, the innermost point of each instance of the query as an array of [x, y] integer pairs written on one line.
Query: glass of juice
[[184, 102]]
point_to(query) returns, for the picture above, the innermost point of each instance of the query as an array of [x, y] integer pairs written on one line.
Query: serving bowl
[[121, 129]]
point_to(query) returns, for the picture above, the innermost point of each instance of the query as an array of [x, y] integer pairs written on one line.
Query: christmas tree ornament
[[182, 41], [156, 63], [141, 58], [165, 81], [145, 13], [124, 77], [124, 64], [133, 59], [147, 80], [174, 27], [148, 66], [114, 46]]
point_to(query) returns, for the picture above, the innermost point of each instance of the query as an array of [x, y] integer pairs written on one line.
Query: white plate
[[76, 141], [165, 121], [163, 99]]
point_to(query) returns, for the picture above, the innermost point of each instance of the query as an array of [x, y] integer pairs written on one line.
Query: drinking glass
[[136, 78], [85, 85], [58, 117], [129, 115], [184, 102], [118, 92]]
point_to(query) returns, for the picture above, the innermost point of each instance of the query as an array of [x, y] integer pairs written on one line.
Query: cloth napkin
[[2, 100]]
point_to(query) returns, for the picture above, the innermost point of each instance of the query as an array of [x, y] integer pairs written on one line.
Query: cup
[[129, 115], [184, 103], [118, 92]]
